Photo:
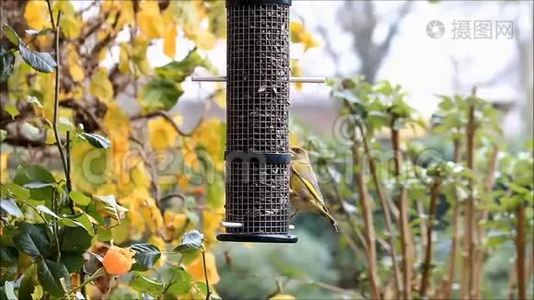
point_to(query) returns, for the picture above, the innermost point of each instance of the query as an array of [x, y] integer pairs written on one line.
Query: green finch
[[305, 194]]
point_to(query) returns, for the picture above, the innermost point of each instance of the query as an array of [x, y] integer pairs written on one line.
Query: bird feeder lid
[[256, 2]]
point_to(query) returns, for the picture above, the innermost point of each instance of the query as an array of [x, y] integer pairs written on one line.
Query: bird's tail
[[327, 214]]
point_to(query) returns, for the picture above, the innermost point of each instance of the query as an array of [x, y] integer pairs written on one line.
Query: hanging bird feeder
[[257, 117]]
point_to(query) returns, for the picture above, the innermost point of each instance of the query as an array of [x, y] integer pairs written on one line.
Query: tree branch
[[434, 193], [167, 118]]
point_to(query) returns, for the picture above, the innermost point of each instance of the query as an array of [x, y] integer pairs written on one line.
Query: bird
[[305, 194]]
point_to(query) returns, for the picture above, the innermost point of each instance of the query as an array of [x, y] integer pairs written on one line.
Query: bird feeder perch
[[257, 146]]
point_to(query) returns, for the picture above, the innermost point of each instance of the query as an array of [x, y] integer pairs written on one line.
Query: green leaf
[[27, 284], [446, 103], [177, 71], [79, 198], [8, 256], [72, 261], [160, 94], [11, 208], [146, 285], [40, 61], [75, 240], [9, 289], [38, 185], [146, 255], [96, 140], [3, 135], [109, 205], [33, 240], [9, 262], [11, 34], [193, 240], [215, 195], [179, 281], [7, 64], [33, 173], [346, 95], [46, 211], [12, 110], [17, 192], [53, 276], [82, 221], [35, 33], [64, 124]]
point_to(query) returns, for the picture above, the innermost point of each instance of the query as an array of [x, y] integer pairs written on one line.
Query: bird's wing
[[311, 185]]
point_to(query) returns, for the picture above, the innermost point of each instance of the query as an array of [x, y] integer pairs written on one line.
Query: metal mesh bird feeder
[[257, 146], [257, 118]]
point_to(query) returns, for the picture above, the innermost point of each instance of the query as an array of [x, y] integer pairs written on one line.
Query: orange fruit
[[118, 261]]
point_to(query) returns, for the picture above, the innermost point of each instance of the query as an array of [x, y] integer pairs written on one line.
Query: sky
[[423, 65]]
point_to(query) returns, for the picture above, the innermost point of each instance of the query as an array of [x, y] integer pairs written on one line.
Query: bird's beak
[[292, 153]]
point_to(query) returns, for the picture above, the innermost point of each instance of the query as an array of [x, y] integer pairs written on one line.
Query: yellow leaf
[[202, 37], [45, 84], [196, 269], [73, 62], [71, 23], [138, 54], [296, 71], [36, 14], [116, 121], [174, 224], [183, 181], [118, 128], [140, 176], [149, 19], [210, 134], [3, 167], [220, 98], [162, 134], [211, 221], [71, 26], [169, 41], [101, 86], [299, 34], [110, 6], [124, 58], [125, 8], [143, 211], [106, 189]]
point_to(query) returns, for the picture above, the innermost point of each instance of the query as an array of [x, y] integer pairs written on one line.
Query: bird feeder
[[257, 120]]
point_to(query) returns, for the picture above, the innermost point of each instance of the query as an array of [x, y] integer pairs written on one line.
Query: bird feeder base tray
[[257, 238]]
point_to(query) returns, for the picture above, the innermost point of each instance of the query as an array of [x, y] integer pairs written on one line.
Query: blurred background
[[430, 48], [394, 41]]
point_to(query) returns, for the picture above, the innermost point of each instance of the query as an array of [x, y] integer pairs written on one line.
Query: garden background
[[421, 139]]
